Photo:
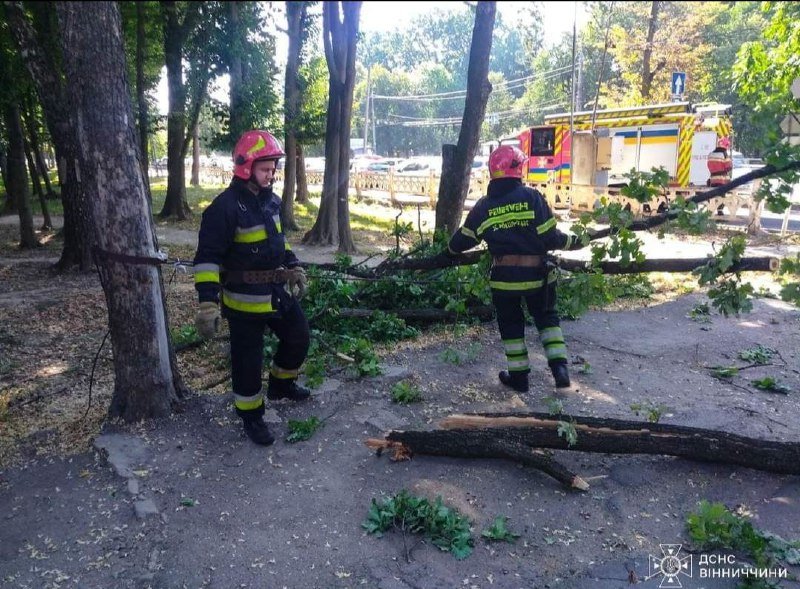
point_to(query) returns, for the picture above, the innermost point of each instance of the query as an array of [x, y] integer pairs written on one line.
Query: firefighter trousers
[[247, 354], [511, 324]]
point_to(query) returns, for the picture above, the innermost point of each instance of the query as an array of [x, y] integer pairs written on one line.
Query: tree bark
[[295, 15], [302, 181], [147, 382], [454, 183], [339, 38], [17, 188], [522, 435], [141, 99], [44, 64], [647, 74], [195, 181]]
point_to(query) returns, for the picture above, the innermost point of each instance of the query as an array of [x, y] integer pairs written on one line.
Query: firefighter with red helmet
[[245, 270], [519, 229]]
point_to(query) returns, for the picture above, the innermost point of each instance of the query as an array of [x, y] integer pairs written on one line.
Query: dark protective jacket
[[241, 231], [513, 220]]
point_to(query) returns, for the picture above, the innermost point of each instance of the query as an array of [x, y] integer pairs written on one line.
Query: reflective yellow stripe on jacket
[[206, 273], [247, 303]]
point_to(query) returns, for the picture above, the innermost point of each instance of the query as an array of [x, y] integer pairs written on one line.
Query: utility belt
[[524, 260], [256, 276]]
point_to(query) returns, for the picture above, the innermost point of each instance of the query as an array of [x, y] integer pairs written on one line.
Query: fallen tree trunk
[[748, 264], [482, 312], [476, 435]]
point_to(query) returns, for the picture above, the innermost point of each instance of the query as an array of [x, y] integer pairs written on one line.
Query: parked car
[[743, 165], [383, 165], [419, 166]]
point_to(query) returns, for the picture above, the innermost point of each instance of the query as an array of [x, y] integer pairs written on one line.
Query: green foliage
[[768, 383], [444, 526], [645, 186], [554, 406], [452, 355], [404, 393], [302, 429], [499, 532], [757, 355], [713, 526], [691, 217], [700, 313], [567, 430], [650, 409], [728, 295], [585, 290], [360, 349], [724, 371], [183, 335], [790, 269]]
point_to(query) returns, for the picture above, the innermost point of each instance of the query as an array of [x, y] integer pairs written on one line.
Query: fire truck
[[577, 157]]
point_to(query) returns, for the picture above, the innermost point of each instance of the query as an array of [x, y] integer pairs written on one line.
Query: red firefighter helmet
[[506, 161], [251, 147]]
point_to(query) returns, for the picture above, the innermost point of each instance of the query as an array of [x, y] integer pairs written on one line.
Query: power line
[[458, 94]]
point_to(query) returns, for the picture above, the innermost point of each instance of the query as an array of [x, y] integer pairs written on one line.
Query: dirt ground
[[189, 502]]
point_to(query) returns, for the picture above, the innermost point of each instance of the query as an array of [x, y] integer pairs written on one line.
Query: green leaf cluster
[[713, 526], [302, 429], [757, 355], [444, 526], [728, 295], [652, 410], [404, 393], [499, 532]]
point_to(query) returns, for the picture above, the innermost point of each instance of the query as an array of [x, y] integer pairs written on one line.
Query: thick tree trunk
[[44, 64], [454, 183], [302, 181], [647, 75], [339, 37], [522, 435], [195, 181], [141, 99], [175, 204], [146, 377], [295, 13], [17, 187]]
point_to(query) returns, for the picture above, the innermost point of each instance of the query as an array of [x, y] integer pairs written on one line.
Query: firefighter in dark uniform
[[519, 228], [245, 266]]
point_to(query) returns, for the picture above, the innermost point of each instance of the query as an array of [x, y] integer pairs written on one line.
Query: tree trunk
[[146, 377], [295, 15], [647, 75], [32, 125], [141, 99], [454, 183], [175, 204], [236, 85], [47, 223], [477, 435], [302, 181], [44, 64], [339, 38], [195, 181], [17, 187]]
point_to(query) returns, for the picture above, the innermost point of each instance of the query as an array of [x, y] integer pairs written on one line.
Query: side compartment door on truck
[[659, 148], [703, 143]]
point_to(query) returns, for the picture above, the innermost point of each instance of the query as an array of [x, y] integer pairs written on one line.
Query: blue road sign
[[678, 83]]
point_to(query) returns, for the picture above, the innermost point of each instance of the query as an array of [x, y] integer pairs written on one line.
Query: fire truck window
[[542, 141]]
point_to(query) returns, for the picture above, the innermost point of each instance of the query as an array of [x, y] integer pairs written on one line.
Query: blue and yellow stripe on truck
[[650, 137]]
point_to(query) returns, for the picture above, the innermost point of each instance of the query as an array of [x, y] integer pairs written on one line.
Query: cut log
[[619, 436], [477, 447], [521, 437]]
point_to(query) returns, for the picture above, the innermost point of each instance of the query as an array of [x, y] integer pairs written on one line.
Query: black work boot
[[286, 388], [516, 380], [257, 430], [560, 375]]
